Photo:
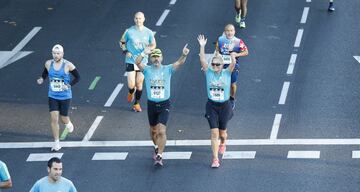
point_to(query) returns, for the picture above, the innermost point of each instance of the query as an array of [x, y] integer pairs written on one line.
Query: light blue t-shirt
[[136, 41], [4, 172], [157, 82], [62, 185], [218, 85]]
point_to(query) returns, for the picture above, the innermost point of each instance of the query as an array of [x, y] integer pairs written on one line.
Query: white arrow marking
[[357, 58], [7, 57]]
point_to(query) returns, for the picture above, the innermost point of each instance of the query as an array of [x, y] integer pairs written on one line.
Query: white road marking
[[303, 155], [6, 56], [113, 95], [304, 15], [284, 92], [308, 1], [92, 129], [43, 156], [292, 62], [357, 58], [298, 38], [239, 155], [125, 74], [162, 17], [109, 156], [275, 127], [172, 2], [177, 155], [148, 143], [355, 154]]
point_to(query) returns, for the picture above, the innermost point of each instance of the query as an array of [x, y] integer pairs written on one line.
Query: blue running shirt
[[56, 80], [4, 173], [136, 41], [62, 185], [157, 82], [218, 84]]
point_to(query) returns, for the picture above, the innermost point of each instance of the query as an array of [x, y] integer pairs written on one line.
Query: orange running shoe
[[215, 163], [136, 107], [222, 149], [130, 97]]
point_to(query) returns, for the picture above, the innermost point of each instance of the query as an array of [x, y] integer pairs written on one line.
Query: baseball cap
[[156, 52], [58, 47]]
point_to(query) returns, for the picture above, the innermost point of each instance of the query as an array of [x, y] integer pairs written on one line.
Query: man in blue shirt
[[5, 179], [54, 181], [133, 42], [218, 108], [157, 80]]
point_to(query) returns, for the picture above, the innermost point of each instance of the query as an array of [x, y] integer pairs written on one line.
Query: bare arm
[[6, 184], [202, 42], [41, 79], [140, 57], [182, 58]]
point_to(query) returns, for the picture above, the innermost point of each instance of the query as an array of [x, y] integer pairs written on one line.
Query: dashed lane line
[[292, 62], [304, 15], [303, 155], [162, 17], [43, 156], [298, 38], [113, 95], [93, 127], [284, 92], [275, 128], [109, 156], [239, 155]]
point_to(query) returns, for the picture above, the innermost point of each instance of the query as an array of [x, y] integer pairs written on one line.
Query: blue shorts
[[235, 72]]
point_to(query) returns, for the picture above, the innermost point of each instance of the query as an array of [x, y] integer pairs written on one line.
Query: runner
[[331, 6], [157, 80], [241, 12], [226, 44], [54, 181], [218, 108], [5, 179], [60, 94], [133, 42]]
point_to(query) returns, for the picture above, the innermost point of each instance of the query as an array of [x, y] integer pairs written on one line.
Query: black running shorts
[[218, 114], [158, 112], [59, 105], [130, 67]]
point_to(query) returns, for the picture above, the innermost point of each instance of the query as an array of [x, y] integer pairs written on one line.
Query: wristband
[[143, 54]]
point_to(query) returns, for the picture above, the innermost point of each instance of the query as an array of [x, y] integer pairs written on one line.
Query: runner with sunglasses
[[218, 108]]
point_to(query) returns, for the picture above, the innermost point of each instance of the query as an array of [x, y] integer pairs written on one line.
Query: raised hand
[[147, 50], [186, 50], [202, 40]]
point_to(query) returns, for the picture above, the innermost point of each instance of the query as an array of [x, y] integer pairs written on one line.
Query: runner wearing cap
[[157, 80], [218, 108], [133, 42], [58, 69]]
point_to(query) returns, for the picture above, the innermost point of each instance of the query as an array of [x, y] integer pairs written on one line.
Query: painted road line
[[148, 143], [125, 74], [357, 58], [94, 82], [239, 155], [172, 2], [292, 62], [298, 38], [284, 93], [275, 127], [355, 154], [304, 15], [16, 57], [93, 127], [162, 17], [177, 155], [303, 155], [109, 156], [308, 1], [113, 95], [43, 156], [6, 57]]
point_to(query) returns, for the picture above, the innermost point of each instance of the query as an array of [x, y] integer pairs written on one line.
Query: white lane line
[[275, 127], [109, 156], [177, 155], [303, 155], [162, 17], [304, 15], [125, 74], [292, 62], [284, 93], [113, 95], [43, 156], [357, 58], [141, 143], [172, 2], [239, 155], [355, 154], [298, 38], [308, 1], [92, 129]]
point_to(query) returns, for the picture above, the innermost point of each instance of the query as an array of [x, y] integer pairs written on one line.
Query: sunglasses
[[216, 64]]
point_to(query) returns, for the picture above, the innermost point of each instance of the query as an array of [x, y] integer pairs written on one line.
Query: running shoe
[[158, 160], [237, 18], [56, 146], [69, 127], [222, 149], [331, 7], [137, 108], [156, 150], [242, 24], [215, 163], [130, 97]]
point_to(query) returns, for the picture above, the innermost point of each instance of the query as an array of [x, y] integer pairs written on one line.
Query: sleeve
[[145, 69], [35, 187], [242, 46], [151, 36], [4, 173], [72, 187], [171, 68]]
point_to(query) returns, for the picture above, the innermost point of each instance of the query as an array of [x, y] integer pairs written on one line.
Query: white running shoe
[[56, 146], [69, 127], [242, 24], [237, 18]]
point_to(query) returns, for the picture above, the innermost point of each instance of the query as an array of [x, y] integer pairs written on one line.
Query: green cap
[[156, 52]]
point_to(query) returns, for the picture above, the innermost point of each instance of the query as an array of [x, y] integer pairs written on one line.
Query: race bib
[[157, 92], [56, 84], [217, 94], [226, 59]]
